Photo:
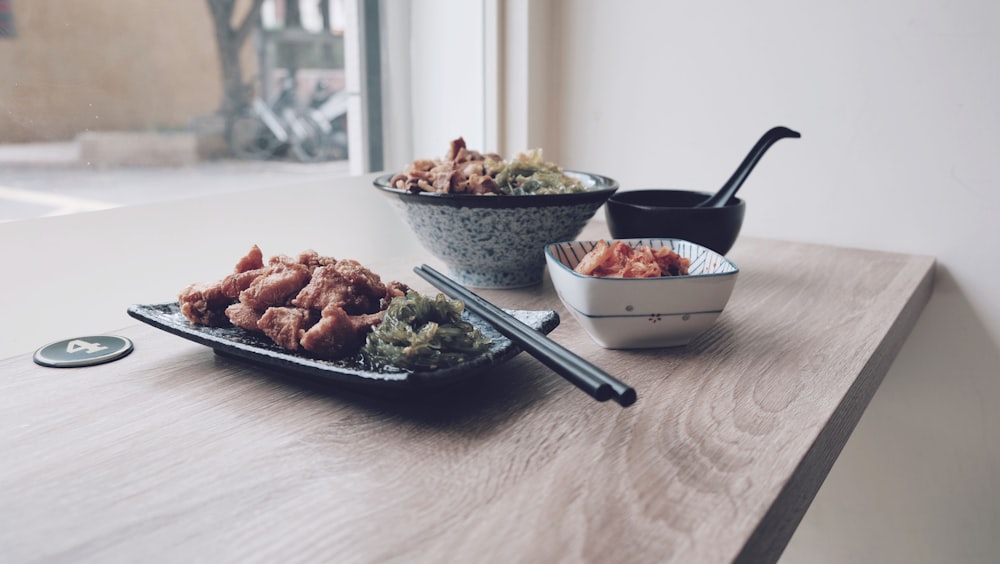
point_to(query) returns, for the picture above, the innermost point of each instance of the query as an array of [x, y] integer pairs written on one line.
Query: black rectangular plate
[[351, 370]]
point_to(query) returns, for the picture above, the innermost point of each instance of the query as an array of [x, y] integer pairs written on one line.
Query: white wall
[[446, 95], [898, 103], [447, 70]]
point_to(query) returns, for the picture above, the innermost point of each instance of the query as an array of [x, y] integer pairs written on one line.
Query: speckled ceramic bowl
[[635, 313], [497, 241]]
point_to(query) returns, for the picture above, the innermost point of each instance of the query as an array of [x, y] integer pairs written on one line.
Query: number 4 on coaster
[[83, 351]]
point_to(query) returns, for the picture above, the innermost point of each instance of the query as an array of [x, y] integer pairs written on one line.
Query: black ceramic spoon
[[736, 180]]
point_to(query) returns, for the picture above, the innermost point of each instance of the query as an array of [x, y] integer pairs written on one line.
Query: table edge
[[775, 530]]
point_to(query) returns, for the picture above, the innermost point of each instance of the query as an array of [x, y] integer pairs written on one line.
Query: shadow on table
[[487, 397]]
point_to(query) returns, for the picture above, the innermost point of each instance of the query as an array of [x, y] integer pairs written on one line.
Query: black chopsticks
[[584, 375]]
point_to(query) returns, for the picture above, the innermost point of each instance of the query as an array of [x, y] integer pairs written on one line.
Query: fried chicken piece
[[247, 270], [367, 289], [232, 285], [205, 303], [243, 316], [325, 287], [286, 325], [346, 284], [252, 261], [338, 334], [281, 280], [314, 260]]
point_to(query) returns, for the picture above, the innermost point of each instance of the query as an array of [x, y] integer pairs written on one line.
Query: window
[[109, 103], [6, 19]]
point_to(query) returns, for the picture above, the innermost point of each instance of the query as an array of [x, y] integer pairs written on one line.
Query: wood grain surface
[[177, 454]]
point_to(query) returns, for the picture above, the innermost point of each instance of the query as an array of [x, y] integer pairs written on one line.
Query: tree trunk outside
[[234, 91], [229, 41], [293, 15], [324, 10]]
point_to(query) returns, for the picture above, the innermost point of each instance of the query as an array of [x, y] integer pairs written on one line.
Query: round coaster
[[83, 351]]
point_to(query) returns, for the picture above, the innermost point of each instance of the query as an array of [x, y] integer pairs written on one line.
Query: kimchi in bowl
[[497, 241], [632, 313]]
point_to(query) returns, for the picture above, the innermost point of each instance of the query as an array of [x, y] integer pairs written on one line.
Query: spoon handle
[[721, 198]]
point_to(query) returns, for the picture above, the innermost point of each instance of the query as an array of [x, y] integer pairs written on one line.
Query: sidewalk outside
[[44, 179], [65, 153]]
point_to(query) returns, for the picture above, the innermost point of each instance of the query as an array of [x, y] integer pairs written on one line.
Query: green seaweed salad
[[421, 333]]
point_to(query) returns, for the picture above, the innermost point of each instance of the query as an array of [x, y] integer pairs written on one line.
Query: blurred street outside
[[45, 179]]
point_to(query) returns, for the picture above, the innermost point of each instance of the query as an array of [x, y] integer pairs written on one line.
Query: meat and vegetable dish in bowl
[[488, 218]]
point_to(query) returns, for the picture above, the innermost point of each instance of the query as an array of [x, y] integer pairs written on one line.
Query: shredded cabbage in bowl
[[529, 173]]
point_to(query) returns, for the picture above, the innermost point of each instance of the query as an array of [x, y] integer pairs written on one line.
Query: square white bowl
[[635, 313]]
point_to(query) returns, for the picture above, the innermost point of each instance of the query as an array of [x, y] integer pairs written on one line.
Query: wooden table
[[176, 454]]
